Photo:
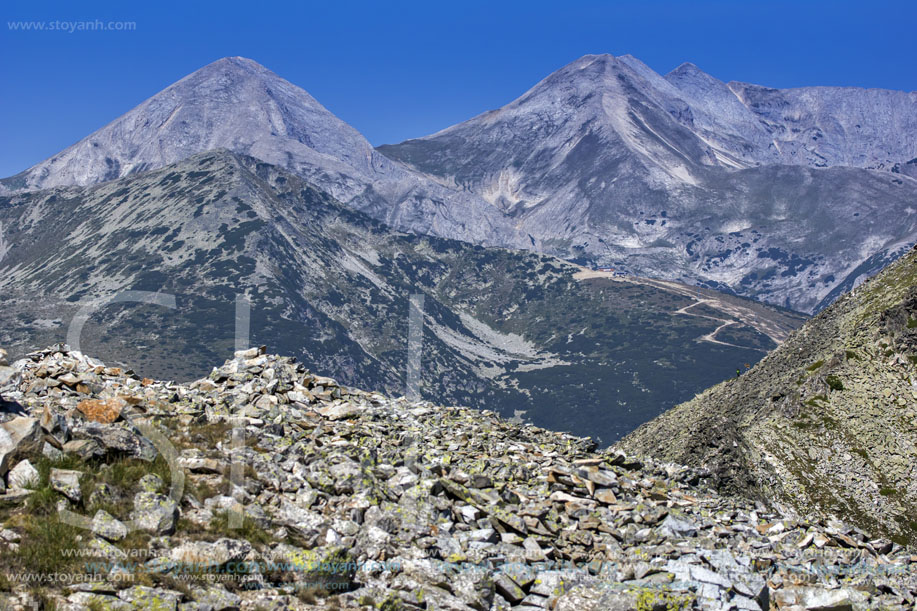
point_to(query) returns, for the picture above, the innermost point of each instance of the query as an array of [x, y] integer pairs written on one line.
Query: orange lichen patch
[[105, 411]]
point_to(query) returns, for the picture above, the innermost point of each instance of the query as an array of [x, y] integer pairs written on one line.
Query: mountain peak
[[235, 63], [592, 57], [233, 103], [602, 60], [237, 59], [686, 67], [689, 74]]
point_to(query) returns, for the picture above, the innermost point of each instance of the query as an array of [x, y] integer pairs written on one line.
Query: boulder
[[340, 411], [67, 482], [104, 411], [820, 599], [108, 527], [155, 513], [678, 527], [158, 599], [150, 483], [117, 439], [309, 525], [8, 375], [14, 497], [216, 598], [18, 436], [23, 476], [55, 424], [84, 449], [103, 494], [91, 600]]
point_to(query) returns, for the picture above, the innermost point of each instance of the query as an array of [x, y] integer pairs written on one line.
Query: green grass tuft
[[815, 365]]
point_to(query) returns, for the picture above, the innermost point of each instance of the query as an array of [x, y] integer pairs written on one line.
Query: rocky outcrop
[[294, 492], [825, 424]]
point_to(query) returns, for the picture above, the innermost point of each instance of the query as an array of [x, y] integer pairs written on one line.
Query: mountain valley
[[506, 330]]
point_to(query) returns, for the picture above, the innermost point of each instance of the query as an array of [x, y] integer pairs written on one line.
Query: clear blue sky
[[396, 70]]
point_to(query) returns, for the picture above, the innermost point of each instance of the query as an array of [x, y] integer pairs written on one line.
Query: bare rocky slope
[[510, 330], [777, 194], [827, 423], [266, 486]]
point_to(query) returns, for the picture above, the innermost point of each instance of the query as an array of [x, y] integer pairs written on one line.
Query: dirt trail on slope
[[710, 337], [730, 306]]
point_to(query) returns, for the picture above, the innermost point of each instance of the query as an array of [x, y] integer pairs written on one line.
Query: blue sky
[[396, 70]]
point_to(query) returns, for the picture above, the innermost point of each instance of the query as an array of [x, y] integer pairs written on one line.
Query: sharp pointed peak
[[589, 59], [689, 72], [683, 66], [601, 58], [233, 63], [686, 69], [236, 70], [236, 60], [609, 61]]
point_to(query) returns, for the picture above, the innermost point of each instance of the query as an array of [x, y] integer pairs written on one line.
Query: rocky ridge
[[348, 499], [825, 423], [780, 195]]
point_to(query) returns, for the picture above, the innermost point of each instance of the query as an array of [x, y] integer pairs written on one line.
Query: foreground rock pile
[[287, 491]]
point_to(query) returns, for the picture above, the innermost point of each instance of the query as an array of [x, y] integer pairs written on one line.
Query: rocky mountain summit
[[511, 330], [238, 105], [779, 195], [265, 486], [826, 423]]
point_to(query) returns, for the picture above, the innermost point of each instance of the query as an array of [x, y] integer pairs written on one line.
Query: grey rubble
[[456, 508]]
